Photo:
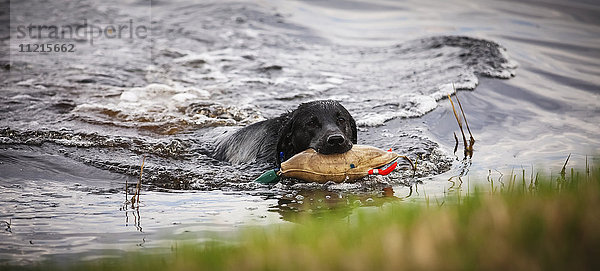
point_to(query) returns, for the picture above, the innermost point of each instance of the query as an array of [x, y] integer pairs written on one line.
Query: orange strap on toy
[[385, 171]]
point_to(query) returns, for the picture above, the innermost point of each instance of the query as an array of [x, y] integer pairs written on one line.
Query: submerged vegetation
[[528, 223]]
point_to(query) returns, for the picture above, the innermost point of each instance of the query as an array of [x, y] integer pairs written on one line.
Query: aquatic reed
[[468, 147], [136, 196]]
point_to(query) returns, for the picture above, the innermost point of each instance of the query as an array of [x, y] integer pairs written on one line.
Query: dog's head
[[325, 126]]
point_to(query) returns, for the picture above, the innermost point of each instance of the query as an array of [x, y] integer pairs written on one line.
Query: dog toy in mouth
[[354, 164]]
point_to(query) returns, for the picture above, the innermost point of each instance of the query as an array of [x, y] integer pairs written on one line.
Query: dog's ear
[[354, 138], [284, 143]]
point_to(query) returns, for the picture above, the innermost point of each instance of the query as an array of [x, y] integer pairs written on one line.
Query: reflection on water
[[322, 202], [135, 213]]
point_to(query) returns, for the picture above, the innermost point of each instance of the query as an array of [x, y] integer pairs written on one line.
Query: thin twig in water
[[471, 139], [458, 121], [468, 151], [136, 197]]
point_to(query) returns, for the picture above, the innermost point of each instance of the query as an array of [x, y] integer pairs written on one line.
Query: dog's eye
[[313, 122], [341, 120]]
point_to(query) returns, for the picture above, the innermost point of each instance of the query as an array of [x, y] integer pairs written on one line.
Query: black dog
[[325, 126]]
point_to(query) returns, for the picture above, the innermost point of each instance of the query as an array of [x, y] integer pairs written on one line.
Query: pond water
[[75, 126]]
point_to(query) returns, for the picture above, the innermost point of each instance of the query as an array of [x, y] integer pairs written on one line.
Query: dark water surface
[[74, 126]]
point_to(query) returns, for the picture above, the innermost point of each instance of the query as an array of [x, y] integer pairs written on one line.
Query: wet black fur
[[325, 126]]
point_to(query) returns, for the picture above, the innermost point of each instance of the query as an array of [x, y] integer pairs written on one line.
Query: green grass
[[530, 223]]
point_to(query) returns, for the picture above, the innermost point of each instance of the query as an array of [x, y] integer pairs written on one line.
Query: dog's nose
[[336, 139]]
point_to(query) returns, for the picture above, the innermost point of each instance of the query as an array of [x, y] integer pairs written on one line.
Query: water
[[75, 126]]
